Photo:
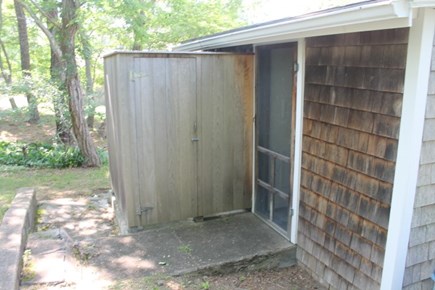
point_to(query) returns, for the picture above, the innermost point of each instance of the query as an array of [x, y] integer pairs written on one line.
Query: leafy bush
[[104, 156], [40, 155]]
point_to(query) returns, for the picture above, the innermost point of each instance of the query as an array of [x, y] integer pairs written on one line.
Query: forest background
[[51, 53]]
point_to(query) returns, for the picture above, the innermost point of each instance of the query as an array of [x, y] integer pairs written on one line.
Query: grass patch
[[5, 201], [51, 182], [48, 182]]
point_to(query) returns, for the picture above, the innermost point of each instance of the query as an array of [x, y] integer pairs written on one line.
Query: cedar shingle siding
[[352, 108], [420, 260]]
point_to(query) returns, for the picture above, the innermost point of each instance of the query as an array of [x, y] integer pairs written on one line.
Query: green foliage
[[161, 24], [28, 272], [43, 155], [40, 155], [42, 88]]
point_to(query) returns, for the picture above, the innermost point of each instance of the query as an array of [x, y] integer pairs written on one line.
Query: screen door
[[274, 134]]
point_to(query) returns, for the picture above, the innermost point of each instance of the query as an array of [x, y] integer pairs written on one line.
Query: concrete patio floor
[[222, 245]]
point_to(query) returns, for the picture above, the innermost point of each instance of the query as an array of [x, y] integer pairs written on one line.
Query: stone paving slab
[[179, 248]]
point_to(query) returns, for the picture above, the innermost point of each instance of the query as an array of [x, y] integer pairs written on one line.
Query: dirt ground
[[85, 218], [292, 278]]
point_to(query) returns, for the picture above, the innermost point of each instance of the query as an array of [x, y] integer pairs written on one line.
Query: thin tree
[[64, 48], [86, 52], [6, 71], [25, 59], [69, 30]]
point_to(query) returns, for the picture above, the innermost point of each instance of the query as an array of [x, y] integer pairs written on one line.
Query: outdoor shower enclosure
[[179, 128]]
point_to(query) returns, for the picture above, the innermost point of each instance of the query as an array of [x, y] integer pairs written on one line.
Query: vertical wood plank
[[160, 138], [182, 150], [226, 133], [145, 90], [126, 152], [154, 163]]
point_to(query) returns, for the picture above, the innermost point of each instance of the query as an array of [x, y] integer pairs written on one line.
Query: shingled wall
[[352, 108], [420, 262]]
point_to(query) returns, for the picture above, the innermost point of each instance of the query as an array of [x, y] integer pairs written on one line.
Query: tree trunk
[[60, 103], [57, 74], [72, 83], [87, 56], [25, 59], [13, 103], [6, 73], [90, 94]]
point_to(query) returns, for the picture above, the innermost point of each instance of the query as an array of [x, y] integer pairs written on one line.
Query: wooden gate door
[[225, 101], [165, 95], [194, 134]]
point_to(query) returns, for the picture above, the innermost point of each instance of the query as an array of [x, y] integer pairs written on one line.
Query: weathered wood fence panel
[[226, 132], [179, 132]]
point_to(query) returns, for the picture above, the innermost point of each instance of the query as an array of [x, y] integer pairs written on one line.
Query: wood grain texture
[[158, 103], [352, 108], [225, 132]]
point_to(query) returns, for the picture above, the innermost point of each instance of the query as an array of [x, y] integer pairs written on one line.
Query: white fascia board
[[422, 3], [409, 147], [294, 36], [357, 17]]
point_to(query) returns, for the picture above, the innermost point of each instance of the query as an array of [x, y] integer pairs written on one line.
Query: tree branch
[[46, 15], [45, 30]]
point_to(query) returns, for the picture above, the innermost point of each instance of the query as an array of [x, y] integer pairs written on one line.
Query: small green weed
[[205, 285], [91, 207], [186, 249], [28, 272], [39, 213]]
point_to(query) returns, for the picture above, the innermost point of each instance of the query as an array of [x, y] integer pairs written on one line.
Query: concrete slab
[[226, 244], [186, 247], [230, 239]]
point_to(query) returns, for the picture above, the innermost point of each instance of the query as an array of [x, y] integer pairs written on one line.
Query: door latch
[[295, 67], [195, 139]]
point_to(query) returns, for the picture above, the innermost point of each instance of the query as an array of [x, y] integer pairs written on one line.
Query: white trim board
[[297, 166], [409, 147], [358, 17]]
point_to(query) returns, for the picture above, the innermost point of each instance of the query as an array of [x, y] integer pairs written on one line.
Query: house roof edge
[[355, 14]]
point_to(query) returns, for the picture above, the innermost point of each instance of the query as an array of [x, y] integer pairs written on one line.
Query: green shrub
[[41, 155]]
